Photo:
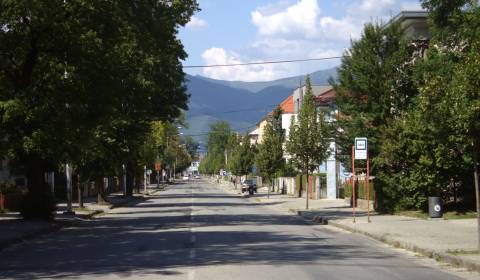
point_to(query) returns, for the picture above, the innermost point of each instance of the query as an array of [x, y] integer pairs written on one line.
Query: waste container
[[435, 207]]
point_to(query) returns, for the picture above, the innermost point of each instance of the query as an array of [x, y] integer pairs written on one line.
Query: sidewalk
[[13, 229], [445, 240]]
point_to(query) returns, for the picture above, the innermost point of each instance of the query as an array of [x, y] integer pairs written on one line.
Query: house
[[325, 102], [256, 136]]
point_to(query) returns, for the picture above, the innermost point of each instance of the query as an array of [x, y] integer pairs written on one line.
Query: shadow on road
[[159, 244]]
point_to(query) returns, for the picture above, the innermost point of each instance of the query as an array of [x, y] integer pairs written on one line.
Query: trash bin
[[435, 207]]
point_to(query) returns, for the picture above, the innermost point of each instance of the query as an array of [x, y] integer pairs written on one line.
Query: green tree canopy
[[309, 139]]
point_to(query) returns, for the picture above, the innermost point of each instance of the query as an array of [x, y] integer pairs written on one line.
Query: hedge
[[361, 192]]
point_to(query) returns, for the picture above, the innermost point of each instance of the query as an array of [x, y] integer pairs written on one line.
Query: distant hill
[[318, 78], [242, 104]]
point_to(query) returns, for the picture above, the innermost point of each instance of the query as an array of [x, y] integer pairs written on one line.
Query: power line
[[264, 62]]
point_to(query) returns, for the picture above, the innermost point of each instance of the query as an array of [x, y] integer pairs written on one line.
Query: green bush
[[360, 190], [347, 190]]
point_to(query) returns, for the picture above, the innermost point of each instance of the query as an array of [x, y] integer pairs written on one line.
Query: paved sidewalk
[[14, 229], [436, 238]]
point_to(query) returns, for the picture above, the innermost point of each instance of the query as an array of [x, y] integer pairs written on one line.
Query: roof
[[287, 105], [326, 97], [404, 15], [319, 90]]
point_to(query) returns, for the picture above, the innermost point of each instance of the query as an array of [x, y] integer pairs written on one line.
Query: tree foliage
[[242, 157], [269, 159], [80, 81], [309, 139], [220, 142]]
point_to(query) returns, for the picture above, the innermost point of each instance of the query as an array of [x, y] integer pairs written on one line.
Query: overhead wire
[[264, 62]]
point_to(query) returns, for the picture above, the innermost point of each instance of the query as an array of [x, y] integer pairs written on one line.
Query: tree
[[191, 145], [455, 92], [242, 157], [83, 70], [269, 158], [375, 85], [220, 143], [310, 137]]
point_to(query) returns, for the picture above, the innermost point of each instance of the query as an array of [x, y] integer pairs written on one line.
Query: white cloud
[[297, 29], [196, 23], [217, 56], [300, 18]]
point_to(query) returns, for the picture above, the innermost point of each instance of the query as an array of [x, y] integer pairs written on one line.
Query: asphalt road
[[196, 231]]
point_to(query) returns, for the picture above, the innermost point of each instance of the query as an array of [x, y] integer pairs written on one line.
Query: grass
[[449, 215], [464, 252]]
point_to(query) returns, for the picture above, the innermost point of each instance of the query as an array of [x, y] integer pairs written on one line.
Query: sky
[[240, 31]]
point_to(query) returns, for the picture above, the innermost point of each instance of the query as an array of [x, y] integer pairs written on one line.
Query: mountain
[[242, 104], [318, 78]]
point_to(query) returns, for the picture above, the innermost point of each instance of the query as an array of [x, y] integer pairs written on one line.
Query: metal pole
[[368, 187], [353, 182]]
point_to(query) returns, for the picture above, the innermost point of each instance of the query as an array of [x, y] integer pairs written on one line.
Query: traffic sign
[[158, 166], [361, 148]]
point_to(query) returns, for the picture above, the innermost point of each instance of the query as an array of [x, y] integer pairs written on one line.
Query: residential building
[[256, 136]]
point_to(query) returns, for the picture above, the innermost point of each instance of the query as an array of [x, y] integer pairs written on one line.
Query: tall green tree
[[375, 85], [453, 89], [269, 159], [74, 72], [310, 136], [220, 143], [242, 157]]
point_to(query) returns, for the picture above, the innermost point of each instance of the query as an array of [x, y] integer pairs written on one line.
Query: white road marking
[[193, 239]]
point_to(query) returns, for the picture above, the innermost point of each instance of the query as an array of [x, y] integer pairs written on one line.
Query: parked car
[[250, 186], [196, 177], [185, 177]]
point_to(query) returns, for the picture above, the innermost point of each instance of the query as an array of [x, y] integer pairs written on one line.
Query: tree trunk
[[476, 148], [35, 174], [130, 178], [308, 191], [80, 192], [101, 196]]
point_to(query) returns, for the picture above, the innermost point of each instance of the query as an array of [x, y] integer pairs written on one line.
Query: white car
[[185, 177]]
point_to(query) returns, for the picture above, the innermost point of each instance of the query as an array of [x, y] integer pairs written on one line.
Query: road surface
[[195, 230]]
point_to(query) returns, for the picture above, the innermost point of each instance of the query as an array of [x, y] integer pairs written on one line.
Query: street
[[194, 230]]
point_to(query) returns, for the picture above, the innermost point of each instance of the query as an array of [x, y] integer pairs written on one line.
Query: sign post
[[354, 201], [360, 151]]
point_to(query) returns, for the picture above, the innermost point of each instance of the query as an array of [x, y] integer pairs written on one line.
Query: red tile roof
[[325, 98], [287, 105]]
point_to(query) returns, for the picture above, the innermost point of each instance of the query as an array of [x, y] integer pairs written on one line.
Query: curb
[[438, 256]]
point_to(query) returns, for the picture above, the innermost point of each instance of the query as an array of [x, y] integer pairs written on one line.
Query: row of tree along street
[[96, 84], [418, 102], [307, 144]]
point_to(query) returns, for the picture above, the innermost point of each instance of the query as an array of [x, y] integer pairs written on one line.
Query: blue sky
[[238, 31]]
